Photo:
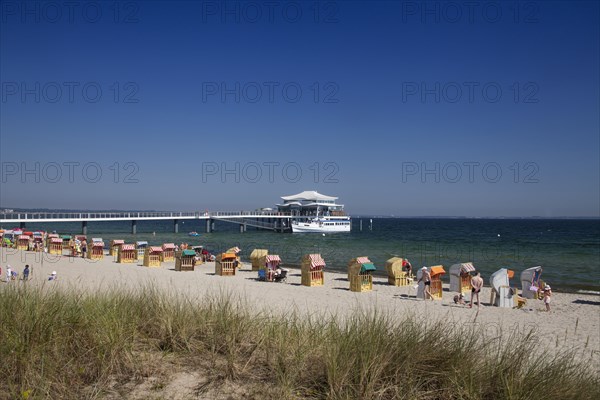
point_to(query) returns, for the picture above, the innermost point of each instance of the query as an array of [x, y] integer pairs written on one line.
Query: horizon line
[[365, 215]]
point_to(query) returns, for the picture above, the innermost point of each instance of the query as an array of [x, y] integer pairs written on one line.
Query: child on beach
[[52, 277], [460, 299], [547, 297]]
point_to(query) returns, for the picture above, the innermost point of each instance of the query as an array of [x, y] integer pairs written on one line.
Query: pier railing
[[249, 214], [249, 222], [142, 215], [94, 215]]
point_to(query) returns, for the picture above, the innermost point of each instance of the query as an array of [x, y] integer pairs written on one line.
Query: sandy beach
[[573, 323]]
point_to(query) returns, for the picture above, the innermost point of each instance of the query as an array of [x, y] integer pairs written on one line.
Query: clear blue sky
[[379, 103]]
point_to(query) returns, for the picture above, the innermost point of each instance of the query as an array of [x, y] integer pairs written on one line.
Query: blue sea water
[[568, 250]]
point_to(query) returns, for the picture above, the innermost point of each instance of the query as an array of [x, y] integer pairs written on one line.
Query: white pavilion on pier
[[309, 202]]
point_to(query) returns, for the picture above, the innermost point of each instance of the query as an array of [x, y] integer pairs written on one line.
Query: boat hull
[[307, 227]]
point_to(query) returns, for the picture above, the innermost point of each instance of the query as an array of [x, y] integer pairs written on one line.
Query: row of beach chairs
[[360, 269]]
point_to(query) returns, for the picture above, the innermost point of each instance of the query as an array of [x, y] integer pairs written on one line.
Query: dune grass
[[68, 345]]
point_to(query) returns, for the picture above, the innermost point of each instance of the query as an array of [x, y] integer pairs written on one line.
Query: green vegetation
[[67, 345]]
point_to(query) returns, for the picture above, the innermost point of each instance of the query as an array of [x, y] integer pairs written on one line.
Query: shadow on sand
[[587, 302]]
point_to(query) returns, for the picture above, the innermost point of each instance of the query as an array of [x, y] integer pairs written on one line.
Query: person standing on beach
[[8, 273], [477, 284], [426, 278], [547, 297], [26, 273], [83, 248], [407, 267]]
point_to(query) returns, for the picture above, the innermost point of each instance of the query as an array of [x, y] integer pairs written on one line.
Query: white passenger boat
[[315, 212], [322, 224]]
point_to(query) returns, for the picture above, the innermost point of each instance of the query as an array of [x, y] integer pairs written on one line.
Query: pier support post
[[241, 228], [175, 226], [212, 225], [84, 227], [208, 224], [361, 225], [133, 227], [22, 225]]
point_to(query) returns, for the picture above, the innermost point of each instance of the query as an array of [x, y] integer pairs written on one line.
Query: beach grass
[[72, 345]]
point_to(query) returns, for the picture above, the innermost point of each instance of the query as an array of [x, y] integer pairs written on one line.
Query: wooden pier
[[269, 220]]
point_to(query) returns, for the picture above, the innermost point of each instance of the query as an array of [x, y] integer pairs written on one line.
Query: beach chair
[[127, 254], [437, 271], [141, 249], [55, 246], [185, 260], [168, 253], [113, 249], [269, 264], [95, 249], [236, 251], [256, 258], [460, 277], [152, 256], [502, 295], [531, 282], [312, 270], [397, 273], [360, 274], [23, 242], [225, 264]]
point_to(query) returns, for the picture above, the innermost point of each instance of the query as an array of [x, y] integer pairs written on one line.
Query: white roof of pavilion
[[310, 195]]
